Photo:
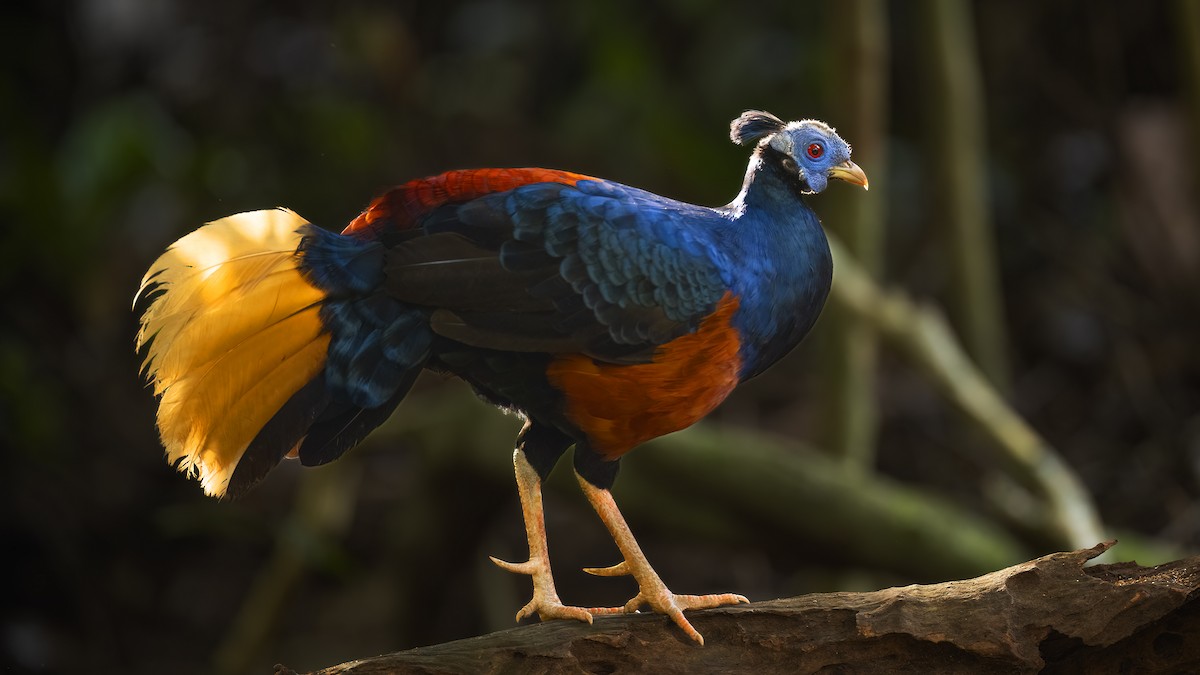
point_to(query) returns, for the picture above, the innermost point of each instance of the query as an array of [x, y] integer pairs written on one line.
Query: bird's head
[[809, 151]]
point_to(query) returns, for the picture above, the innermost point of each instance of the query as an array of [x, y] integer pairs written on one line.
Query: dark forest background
[[1062, 137]]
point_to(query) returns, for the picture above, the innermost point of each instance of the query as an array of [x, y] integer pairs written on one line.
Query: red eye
[[815, 151]]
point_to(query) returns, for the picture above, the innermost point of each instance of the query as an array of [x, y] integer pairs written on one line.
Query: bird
[[602, 314]]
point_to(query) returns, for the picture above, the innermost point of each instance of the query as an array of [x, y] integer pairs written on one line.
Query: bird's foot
[[652, 592], [545, 600]]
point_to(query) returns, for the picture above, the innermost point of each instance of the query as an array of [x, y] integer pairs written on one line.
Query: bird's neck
[[785, 267]]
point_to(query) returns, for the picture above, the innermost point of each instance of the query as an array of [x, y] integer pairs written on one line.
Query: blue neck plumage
[[785, 267]]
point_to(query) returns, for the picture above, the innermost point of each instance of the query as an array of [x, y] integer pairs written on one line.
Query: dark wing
[[594, 268]]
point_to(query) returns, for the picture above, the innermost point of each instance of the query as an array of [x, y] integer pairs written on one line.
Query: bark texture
[[1051, 615]]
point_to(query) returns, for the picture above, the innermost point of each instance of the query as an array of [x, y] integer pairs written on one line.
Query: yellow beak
[[849, 172]]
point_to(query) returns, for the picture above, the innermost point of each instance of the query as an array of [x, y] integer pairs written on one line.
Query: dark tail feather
[[279, 436], [328, 438], [319, 428]]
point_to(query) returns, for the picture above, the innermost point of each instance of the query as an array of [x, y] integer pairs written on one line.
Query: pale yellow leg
[[545, 598], [651, 589]]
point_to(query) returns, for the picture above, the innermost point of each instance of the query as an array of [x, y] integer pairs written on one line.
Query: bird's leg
[[651, 589], [545, 598]]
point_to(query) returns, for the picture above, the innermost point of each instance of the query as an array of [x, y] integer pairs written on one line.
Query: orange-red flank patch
[[621, 406]]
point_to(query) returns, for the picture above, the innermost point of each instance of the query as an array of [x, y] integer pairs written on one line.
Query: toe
[[709, 601], [686, 626], [559, 611]]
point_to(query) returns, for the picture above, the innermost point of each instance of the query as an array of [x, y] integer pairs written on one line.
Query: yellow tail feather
[[233, 334]]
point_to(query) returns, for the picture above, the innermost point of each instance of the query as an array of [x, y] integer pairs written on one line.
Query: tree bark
[[1051, 614]]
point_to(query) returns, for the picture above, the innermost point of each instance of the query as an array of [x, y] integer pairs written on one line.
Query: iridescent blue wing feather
[[596, 267]]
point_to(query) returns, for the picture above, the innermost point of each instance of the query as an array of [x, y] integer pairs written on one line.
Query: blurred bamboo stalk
[[956, 137], [323, 508], [707, 481], [876, 521], [859, 80], [924, 336], [1187, 35]]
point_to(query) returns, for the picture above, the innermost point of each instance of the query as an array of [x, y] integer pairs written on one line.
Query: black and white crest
[[752, 126]]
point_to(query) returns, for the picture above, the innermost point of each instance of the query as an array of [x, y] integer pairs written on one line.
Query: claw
[[663, 601], [621, 569], [553, 609], [526, 567], [652, 591], [545, 600]]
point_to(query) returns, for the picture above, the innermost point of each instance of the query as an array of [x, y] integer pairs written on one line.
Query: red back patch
[[401, 206]]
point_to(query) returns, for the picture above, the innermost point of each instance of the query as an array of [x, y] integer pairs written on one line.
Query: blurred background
[[1034, 169]]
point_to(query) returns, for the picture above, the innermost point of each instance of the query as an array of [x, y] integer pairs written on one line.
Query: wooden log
[[1051, 614]]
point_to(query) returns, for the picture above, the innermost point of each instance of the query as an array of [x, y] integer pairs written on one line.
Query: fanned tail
[[231, 332]]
